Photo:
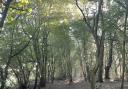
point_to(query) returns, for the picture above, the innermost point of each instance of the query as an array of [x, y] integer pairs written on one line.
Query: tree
[[99, 40]]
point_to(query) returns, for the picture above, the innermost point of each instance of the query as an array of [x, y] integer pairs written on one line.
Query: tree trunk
[[124, 51], [100, 56], [93, 81], [100, 70], [44, 59], [53, 70], [99, 42], [23, 86], [5, 12], [69, 66], [107, 68], [36, 78], [42, 82]]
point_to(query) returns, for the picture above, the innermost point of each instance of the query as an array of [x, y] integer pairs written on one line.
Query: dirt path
[[85, 85]]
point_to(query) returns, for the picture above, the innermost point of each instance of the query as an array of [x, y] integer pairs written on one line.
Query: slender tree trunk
[[99, 40], [107, 68], [44, 57], [100, 70], [42, 82], [23, 86], [93, 80], [100, 56], [69, 66], [36, 78], [5, 12], [53, 70], [124, 51], [100, 46], [5, 72]]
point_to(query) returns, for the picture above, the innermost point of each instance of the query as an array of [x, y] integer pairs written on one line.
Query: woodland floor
[[84, 85]]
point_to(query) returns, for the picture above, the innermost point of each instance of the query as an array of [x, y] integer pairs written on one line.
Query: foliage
[[47, 39]]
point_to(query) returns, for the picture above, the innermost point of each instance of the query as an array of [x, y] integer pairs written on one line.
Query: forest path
[[85, 85]]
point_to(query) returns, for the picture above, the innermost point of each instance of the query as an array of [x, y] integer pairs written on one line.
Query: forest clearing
[[63, 44]]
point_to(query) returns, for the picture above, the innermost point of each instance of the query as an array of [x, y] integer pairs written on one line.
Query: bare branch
[[98, 15], [84, 17]]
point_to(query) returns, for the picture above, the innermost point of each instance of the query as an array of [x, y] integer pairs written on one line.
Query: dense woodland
[[46, 42]]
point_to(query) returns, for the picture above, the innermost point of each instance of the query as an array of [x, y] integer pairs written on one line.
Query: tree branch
[[84, 17], [121, 4], [4, 14]]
